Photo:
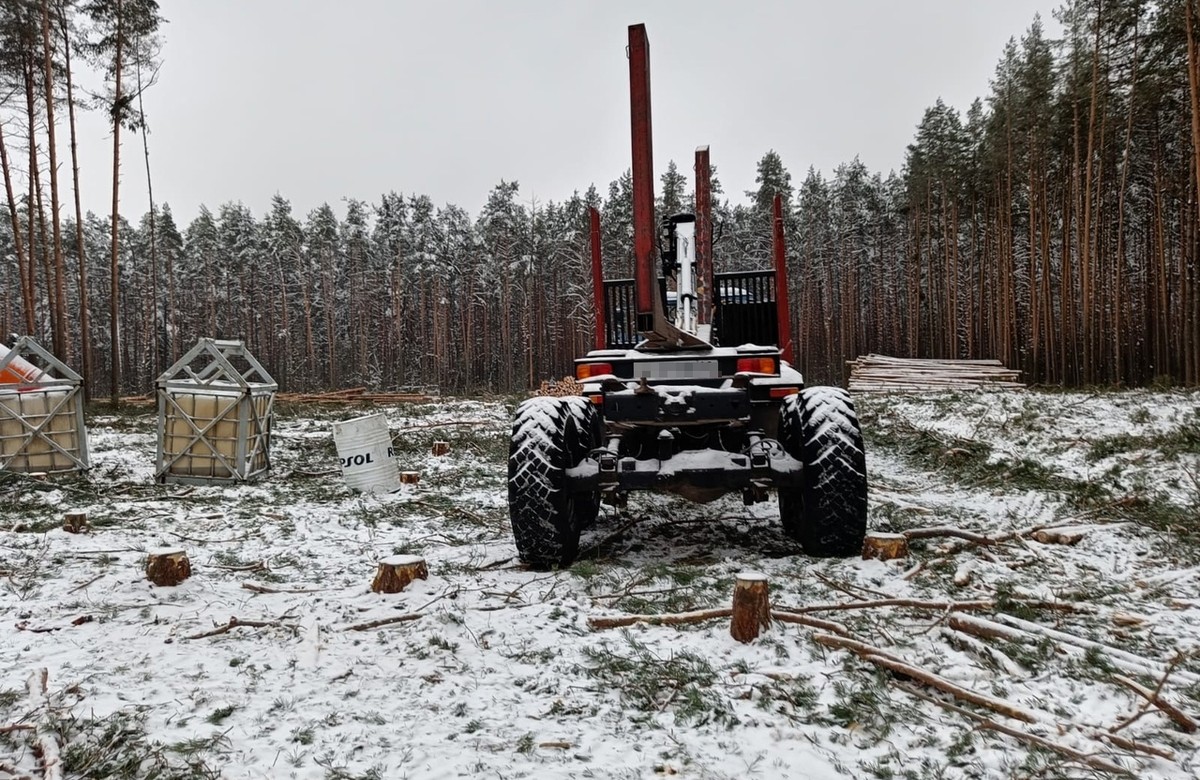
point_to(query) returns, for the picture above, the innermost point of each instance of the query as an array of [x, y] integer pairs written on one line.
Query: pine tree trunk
[[332, 362], [157, 337], [61, 338], [114, 310], [37, 214], [1118, 323], [310, 351], [23, 265], [1193, 62], [85, 334], [1085, 242]]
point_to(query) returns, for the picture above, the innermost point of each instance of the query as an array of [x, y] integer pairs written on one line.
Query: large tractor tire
[[589, 435], [549, 436], [827, 514]]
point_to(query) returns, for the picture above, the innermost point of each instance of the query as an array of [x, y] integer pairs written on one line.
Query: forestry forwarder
[[681, 394]]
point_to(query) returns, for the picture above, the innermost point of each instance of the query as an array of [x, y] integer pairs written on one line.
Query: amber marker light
[[756, 365], [589, 370]]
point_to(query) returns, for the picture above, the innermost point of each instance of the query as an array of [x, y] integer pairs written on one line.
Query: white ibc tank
[[42, 411], [214, 415], [364, 447]]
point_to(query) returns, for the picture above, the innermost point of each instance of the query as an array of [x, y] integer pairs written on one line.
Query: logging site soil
[[1044, 623]]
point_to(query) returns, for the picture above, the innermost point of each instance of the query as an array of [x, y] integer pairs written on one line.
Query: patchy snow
[[502, 676]]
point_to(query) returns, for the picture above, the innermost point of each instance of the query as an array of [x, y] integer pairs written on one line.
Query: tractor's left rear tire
[[827, 514], [588, 436], [549, 436]]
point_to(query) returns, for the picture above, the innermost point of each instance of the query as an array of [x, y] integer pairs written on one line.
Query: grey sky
[[319, 100]]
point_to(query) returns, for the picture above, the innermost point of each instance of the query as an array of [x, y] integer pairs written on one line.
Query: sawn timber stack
[[881, 373]]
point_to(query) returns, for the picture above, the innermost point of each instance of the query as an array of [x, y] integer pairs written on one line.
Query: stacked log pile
[[880, 373], [559, 388], [352, 395]]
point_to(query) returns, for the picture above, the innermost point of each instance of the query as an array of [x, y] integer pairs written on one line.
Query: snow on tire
[[828, 513], [546, 517], [588, 436]]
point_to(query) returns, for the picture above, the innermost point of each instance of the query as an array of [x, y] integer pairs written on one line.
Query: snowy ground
[[502, 677]]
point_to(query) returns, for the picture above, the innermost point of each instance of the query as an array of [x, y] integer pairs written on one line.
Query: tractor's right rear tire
[[549, 436], [827, 514]]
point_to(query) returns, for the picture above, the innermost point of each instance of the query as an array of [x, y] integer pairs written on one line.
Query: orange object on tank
[[19, 371]]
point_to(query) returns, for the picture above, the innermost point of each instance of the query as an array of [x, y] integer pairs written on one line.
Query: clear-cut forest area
[[390, 489], [1053, 225]]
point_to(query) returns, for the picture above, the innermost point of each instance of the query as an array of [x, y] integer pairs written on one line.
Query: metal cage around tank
[[215, 407], [41, 412]]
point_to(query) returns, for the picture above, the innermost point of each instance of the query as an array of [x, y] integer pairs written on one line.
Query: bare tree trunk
[[1035, 261], [1118, 324], [37, 216], [85, 340], [332, 365], [1069, 350], [1085, 234], [62, 342], [25, 278], [115, 271], [1193, 61], [157, 338], [310, 351]]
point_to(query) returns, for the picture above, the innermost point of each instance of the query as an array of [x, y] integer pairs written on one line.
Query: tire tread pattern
[[828, 515], [549, 435]]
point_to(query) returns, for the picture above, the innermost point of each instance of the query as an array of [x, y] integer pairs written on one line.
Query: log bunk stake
[[395, 573], [167, 566]]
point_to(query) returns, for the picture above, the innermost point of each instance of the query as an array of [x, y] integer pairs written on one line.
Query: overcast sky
[[320, 101]]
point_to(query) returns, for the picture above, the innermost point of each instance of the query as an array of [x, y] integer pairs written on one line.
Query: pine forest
[[1054, 225]]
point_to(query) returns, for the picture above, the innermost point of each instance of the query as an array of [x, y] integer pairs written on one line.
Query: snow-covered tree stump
[[75, 522], [751, 606], [440, 448], [885, 547], [395, 573], [167, 566], [410, 477]]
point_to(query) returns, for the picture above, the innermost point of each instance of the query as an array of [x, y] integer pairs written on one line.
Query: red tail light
[[757, 365], [589, 370]]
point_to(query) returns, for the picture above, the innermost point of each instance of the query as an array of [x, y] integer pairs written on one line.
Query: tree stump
[[395, 573], [167, 566], [440, 448], [885, 547], [751, 606], [410, 477], [75, 522]]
